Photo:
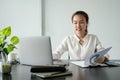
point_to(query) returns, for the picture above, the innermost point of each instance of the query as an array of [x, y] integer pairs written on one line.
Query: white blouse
[[75, 49]]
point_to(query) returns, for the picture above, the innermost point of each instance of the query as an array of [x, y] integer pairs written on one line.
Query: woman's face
[[79, 24]]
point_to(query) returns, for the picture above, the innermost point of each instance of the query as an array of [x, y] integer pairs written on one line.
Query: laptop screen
[[35, 50]]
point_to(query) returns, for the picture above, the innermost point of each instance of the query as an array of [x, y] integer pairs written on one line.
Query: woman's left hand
[[101, 60]]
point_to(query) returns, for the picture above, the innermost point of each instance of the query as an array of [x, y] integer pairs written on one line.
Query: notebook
[[52, 74], [35, 50]]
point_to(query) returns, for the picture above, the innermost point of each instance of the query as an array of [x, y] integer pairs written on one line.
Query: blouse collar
[[84, 39]]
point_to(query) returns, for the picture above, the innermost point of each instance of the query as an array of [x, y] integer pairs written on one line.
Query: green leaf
[[1, 40], [14, 40], [1, 33], [4, 34], [6, 31], [5, 51], [10, 48]]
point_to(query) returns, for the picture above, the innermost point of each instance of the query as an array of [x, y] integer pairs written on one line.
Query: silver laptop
[[35, 50]]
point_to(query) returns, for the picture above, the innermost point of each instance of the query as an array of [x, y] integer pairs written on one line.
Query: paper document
[[90, 60], [82, 64]]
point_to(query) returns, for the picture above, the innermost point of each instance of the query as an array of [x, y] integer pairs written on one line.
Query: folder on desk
[[52, 74], [48, 68]]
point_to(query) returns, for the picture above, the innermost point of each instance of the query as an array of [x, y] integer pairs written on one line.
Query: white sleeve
[[63, 47], [99, 47]]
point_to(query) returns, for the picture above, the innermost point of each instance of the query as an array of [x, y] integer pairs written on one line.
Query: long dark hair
[[81, 13]]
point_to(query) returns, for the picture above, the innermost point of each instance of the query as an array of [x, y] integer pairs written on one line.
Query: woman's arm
[[99, 48], [63, 47]]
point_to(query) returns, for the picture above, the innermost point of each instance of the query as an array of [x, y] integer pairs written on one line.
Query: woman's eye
[[81, 22], [75, 22]]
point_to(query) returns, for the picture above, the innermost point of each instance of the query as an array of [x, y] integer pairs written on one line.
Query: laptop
[[35, 50]]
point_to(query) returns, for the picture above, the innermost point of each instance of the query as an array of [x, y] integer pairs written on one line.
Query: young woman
[[81, 44]]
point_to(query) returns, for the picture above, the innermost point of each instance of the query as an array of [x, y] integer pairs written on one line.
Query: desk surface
[[22, 72]]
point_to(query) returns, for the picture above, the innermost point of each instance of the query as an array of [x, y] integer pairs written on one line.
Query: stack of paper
[[82, 64]]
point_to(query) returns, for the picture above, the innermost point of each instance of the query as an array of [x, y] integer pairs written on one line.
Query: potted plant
[[6, 46]]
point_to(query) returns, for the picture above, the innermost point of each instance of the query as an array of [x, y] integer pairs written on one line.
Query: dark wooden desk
[[22, 72]]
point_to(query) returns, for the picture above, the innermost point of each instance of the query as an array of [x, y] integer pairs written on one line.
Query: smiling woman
[[103, 21], [81, 44]]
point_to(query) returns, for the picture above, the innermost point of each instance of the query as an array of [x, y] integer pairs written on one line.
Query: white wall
[[104, 21], [24, 16]]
